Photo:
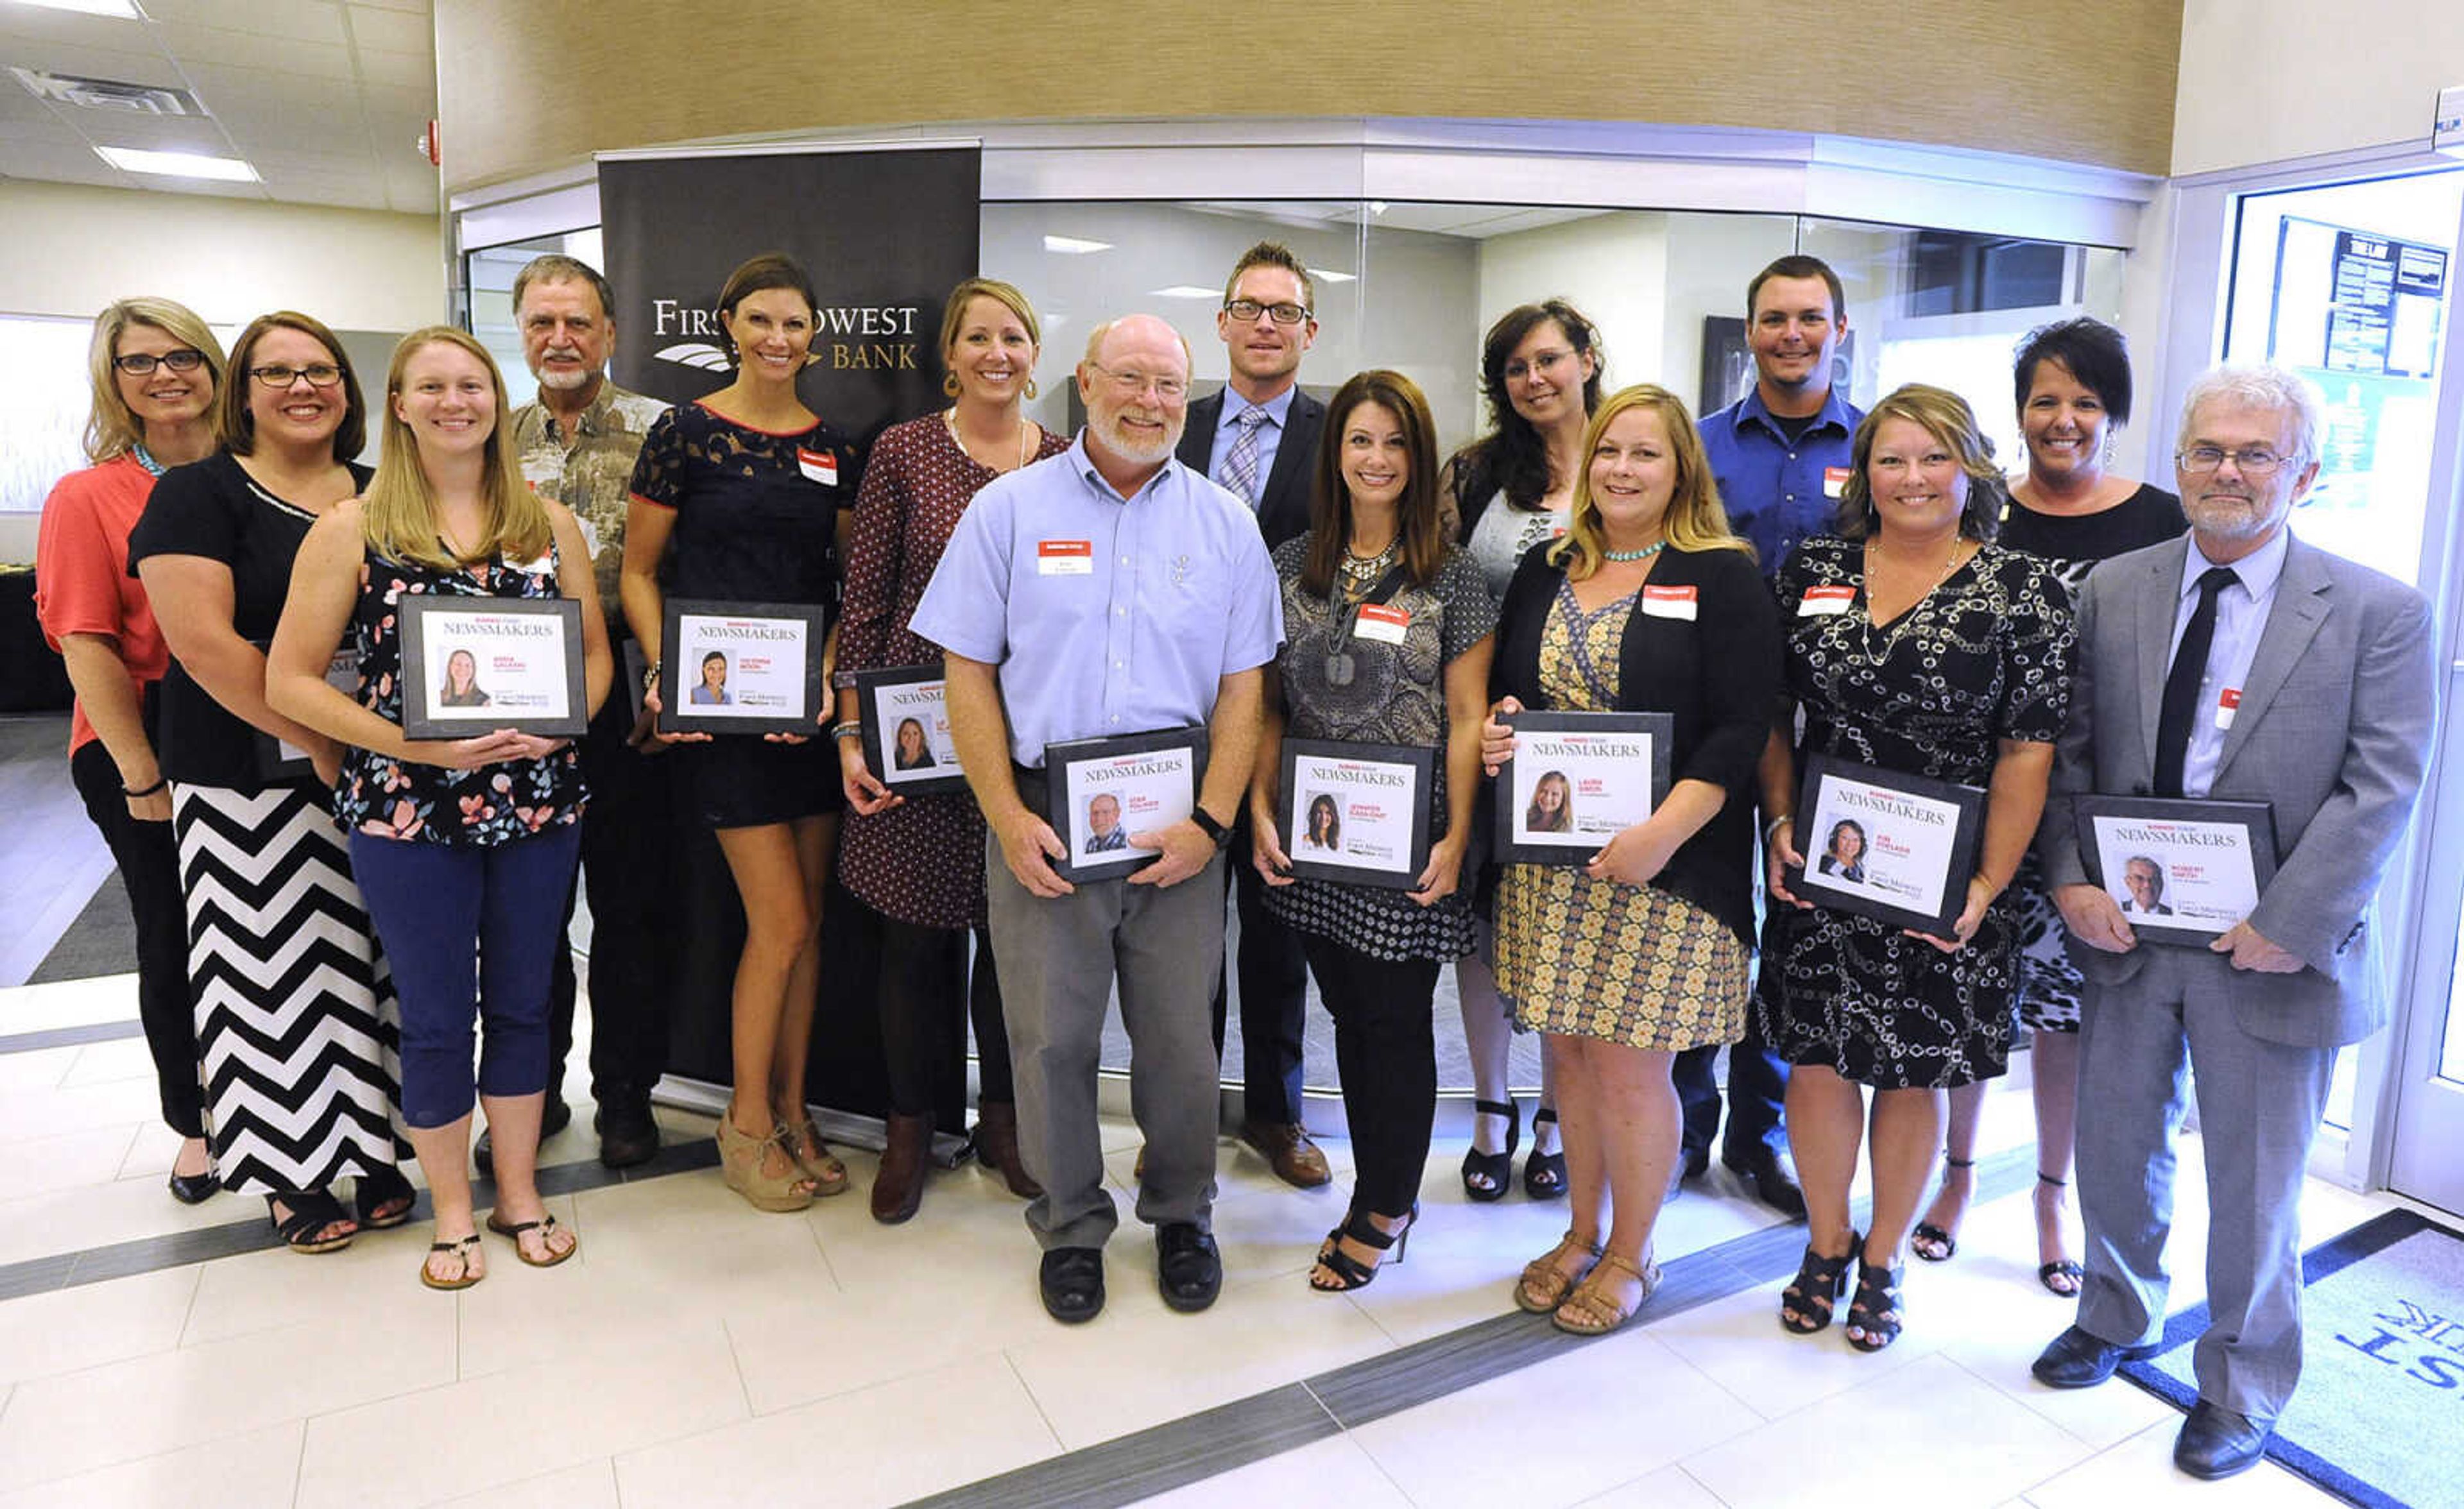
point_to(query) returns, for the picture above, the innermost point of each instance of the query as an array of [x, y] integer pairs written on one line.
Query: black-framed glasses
[[141, 364], [320, 374], [1247, 310], [2251, 461]]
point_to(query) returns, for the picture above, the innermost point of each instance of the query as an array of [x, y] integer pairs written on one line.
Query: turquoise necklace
[[1622, 556]]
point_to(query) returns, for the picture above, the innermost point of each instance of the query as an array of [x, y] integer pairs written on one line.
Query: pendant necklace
[[949, 418], [1360, 575]]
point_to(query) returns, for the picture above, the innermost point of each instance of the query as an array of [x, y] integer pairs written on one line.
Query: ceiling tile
[[65, 27], [46, 129], [355, 189], [393, 30], [411, 7], [153, 133], [152, 68], [59, 160], [18, 102], [258, 93], [396, 99], [217, 45], [404, 70], [296, 20]]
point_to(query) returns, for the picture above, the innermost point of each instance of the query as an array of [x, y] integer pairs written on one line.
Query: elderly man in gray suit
[[2235, 663]]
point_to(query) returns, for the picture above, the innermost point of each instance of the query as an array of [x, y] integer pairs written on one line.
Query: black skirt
[[744, 780]]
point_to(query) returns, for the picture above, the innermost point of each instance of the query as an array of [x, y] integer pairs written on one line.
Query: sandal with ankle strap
[[312, 1210], [1497, 1167], [1591, 1310], [2066, 1269], [1544, 1285], [1543, 1173], [1350, 1272], [1930, 1241], [1878, 1300], [384, 1199], [462, 1249], [829, 1177], [739, 1164], [1820, 1281]]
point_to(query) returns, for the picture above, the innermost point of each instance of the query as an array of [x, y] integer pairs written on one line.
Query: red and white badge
[[1382, 621], [1825, 600], [1834, 481], [817, 466], [1064, 557], [1667, 602], [2228, 702]]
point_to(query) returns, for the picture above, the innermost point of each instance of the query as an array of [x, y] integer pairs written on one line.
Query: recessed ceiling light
[[1071, 246], [125, 8], [1185, 291], [1330, 275], [178, 164]]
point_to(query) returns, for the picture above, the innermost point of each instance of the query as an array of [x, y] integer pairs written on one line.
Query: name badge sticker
[[1064, 557], [817, 466], [2228, 702], [1834, 481], [1668, 602], [1382, 621], [1823, 601]]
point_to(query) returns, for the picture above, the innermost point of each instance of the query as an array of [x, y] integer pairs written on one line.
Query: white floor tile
[[109, 1062], [591, 1485], [2139, 1473], [1671, 1487], [378, 1274], [69, 1003], [70, 1160], [260, 1467], [1334, 1471], [68, 1330]]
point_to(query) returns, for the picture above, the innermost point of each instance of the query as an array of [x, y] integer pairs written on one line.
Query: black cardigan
[[1717, 674]]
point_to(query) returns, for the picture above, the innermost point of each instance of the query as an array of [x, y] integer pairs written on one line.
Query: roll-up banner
[[885, 232]]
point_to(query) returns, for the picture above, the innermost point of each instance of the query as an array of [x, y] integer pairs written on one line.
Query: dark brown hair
[[1513, 457], [1417, 520], [235, 427]]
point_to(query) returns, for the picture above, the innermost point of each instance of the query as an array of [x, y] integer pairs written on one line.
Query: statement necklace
[[1622, 556], [1360, 573]]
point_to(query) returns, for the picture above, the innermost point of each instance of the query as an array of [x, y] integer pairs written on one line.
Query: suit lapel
[[1294, 451], [1198, 433], [2158, 599], [2292, 620]]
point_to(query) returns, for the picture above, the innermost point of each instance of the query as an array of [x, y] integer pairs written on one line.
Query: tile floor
[[697, 1354]]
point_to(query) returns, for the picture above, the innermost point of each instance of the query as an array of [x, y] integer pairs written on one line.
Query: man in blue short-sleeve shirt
[[1108, 591]]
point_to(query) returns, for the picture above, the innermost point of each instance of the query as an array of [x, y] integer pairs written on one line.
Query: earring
[[950, 384], [1030, 388]]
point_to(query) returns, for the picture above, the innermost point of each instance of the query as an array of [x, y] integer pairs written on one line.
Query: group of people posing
[[1787, 579]]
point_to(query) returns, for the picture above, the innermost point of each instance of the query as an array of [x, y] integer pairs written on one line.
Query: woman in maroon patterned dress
[[920, 861]]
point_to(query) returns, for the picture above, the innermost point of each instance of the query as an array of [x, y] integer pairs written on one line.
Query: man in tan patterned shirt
[[576, 445]]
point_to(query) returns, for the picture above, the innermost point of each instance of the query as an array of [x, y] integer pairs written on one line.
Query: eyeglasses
[[1541, 361], [1247, 310], [2251, 461], [320, 374], [141, 364], [1130, 384]]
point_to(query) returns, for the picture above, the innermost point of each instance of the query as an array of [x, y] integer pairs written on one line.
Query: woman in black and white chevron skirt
[[295, 1018]]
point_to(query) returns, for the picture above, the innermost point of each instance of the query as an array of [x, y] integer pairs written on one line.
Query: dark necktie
[[2181, 706]]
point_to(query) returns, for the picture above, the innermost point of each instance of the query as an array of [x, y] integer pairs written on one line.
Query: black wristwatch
[[1206, 825]]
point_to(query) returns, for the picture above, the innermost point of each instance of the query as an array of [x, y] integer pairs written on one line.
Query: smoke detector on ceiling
[[108, 94]]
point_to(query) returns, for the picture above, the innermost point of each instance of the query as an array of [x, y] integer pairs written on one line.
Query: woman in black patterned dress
[[1917, 646], [1386, 640]]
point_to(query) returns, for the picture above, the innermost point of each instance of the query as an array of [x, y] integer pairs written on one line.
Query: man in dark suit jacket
[[2235, 664], [1259, 437]]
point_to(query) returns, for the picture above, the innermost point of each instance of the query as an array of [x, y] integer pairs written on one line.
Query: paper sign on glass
[[2181, 872], [741, 667], [1358, 812], [907, 739], [473, 664], [1895, 848], [1102, 791], [1576, 781]]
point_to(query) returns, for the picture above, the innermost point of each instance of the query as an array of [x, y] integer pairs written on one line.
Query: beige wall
[[2263, 80], [527, 87]]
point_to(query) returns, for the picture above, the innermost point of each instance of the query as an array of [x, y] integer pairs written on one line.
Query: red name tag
[[817, 466], [1382, 621], [1668, 602], [2228, 702], [1834, 481], [1825, 599], [1064, 557]]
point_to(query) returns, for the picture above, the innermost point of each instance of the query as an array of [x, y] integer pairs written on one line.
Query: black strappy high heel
[[1497, 1167]]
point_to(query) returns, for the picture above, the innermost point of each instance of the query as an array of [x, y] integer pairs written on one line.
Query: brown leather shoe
[[1287, 1146], [898, 1188], [997, 1146]]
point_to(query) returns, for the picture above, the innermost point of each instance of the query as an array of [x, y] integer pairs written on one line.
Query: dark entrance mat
[[2379, 1418]]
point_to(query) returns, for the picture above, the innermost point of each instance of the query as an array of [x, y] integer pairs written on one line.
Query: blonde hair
[[112, 429], [398, 512], [1693, 521]]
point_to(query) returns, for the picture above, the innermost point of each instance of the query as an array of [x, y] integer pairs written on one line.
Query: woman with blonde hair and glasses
[[464, 846], [299, 1063], [1648, 605], [1915, 645], [156, 371]]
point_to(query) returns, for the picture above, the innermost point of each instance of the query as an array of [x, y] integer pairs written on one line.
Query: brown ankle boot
[[898, 1188], [997, 1146]]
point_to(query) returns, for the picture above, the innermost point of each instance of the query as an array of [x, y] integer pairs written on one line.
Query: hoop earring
[[1030, 388], [950, 385]]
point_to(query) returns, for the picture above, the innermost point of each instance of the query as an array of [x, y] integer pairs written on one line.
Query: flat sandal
[[1591, 1310], [1544, 1285]]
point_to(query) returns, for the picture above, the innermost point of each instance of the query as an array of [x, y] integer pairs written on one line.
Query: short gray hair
[[2261, 384], [557, 268]]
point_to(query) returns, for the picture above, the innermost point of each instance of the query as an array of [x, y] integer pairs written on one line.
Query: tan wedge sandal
[[828, 1175], [739, 1163]]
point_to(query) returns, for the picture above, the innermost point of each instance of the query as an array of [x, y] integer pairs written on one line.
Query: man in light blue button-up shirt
[[1108, 591]]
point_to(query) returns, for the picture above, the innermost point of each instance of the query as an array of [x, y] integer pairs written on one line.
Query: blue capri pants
[[468, 932]]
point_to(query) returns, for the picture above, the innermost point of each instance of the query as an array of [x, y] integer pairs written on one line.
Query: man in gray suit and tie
[[2235, 664]]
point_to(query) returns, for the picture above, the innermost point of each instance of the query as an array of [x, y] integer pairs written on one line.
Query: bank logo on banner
[[699, 355]]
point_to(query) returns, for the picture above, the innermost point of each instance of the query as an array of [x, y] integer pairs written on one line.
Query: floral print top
[[390, 798]]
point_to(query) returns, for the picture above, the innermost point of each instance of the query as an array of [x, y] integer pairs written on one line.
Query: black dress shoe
[[195, 1188], [1072, 1282], [2076, 1359], [2217, 1443], [555, 1118], [1774, 1182], [1189, 1271], [628, 1134]]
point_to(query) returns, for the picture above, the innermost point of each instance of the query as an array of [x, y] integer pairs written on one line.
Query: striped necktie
[[1240, 468]]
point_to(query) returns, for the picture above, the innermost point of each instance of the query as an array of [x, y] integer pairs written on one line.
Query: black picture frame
[[880, 738], [2147, 818], [280, 761], [679, 677], [1416, 764], [426, 616], [1658, 729], [1062, 760], [1966, 819]]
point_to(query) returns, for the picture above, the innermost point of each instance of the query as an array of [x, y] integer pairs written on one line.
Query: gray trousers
[[2259, 1105], [1059, 958]]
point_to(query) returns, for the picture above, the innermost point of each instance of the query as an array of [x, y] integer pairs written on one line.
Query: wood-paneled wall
[[532, 84]]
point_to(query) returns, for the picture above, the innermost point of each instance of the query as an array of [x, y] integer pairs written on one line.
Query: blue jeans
[[470, 932]]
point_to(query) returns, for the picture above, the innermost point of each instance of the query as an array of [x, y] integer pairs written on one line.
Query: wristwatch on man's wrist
[[1206, 825]]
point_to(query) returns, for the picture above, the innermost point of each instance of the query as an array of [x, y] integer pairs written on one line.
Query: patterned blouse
[[392, 799]]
